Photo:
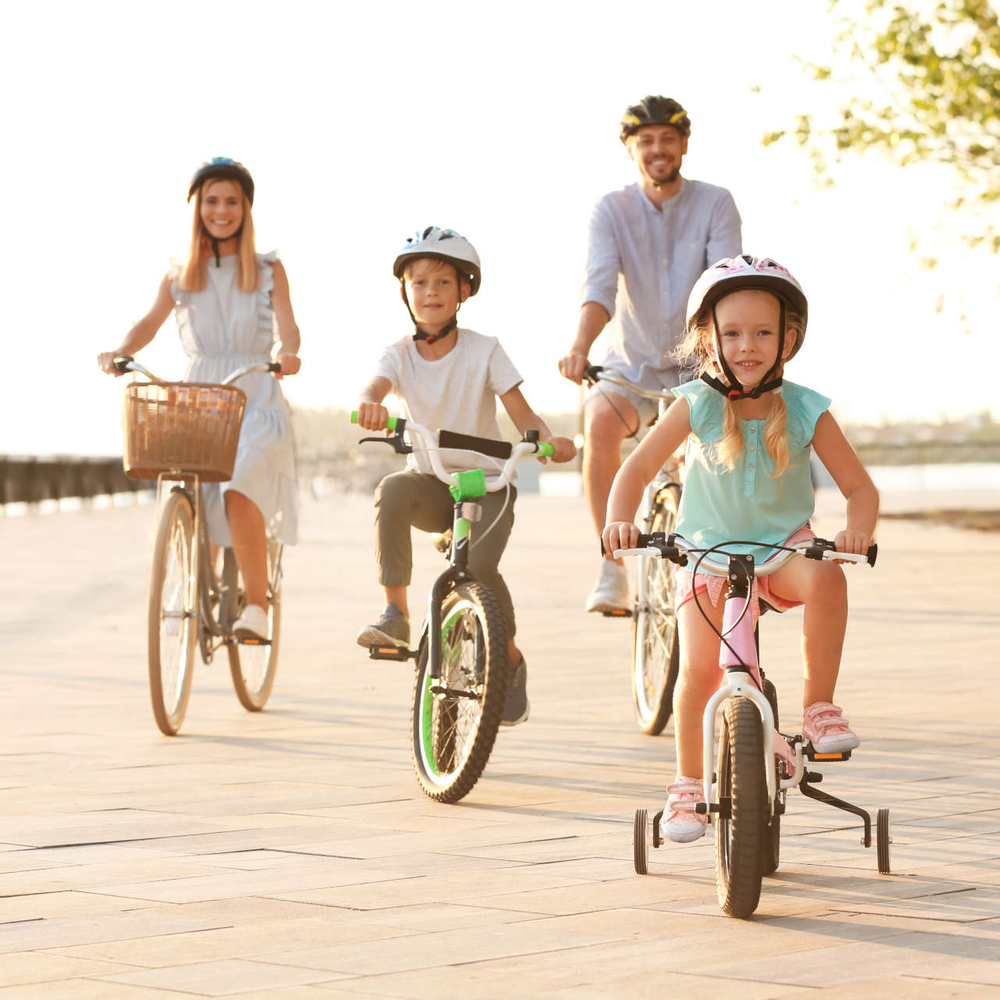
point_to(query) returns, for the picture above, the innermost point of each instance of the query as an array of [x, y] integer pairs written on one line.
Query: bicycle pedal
[[617, 613], [253, 642], [812, 754], [401, 653]]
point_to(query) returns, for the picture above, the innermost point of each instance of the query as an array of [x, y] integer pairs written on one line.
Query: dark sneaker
[[516, 707], [392, 629]]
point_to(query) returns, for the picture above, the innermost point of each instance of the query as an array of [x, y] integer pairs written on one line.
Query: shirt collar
[[648, 206]]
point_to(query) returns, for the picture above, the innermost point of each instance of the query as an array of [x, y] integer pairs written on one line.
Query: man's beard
[[669, 179]]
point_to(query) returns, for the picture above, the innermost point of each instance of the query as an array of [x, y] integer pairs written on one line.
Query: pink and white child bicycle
[[745, 792]]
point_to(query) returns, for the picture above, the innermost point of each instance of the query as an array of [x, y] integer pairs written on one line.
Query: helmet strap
[[215, 242], [767, 384]]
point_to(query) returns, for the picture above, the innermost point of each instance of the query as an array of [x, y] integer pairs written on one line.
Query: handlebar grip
[[274, 366], [390, 423], [591, 372], [122, 362], [872, 553], [546, 450]]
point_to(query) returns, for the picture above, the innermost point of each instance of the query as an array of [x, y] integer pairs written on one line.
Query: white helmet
[[733, 273], [446, 245]]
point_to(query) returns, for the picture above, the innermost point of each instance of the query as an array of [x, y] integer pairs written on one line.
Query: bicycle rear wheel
[[739, 840], [655, 652], [172, 618], [252, 664], [454, 720]]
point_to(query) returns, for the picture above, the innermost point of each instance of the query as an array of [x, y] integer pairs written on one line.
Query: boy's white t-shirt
[[456, 393]]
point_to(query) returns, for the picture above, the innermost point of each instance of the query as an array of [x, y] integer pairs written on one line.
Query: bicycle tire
[[172, 630], [454, 721], [655, 648], [252, 666], [883, 838], [772, 839], [640, 842], [740, 836]]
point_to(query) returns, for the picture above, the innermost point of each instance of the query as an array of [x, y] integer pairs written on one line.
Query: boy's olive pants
[[408, 498]]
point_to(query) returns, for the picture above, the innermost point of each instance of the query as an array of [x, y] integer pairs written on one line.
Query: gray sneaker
[[611, 592], [516, 707], [392, 629]]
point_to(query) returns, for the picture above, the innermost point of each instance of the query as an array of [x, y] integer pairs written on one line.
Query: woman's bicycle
[[462, 670], [655, 653], [745, 793], [182, 434]]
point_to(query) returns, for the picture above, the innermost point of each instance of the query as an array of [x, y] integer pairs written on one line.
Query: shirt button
[[751, 467], [753, 429], [753, 447]]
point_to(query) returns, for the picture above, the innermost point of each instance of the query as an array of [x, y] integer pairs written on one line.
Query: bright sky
[[364, 122]]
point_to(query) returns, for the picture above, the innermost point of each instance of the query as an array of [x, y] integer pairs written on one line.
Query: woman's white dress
[[223, 328]]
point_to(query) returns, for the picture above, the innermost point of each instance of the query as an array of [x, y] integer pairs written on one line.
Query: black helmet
[[654, 110], [225, 168]]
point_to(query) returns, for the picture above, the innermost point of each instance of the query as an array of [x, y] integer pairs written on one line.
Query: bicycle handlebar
[[529, 445], [675, 548], [125, 363], [593, 374]]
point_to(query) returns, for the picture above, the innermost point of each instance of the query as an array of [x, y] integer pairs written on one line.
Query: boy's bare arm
[[372, 415], [525, 419]]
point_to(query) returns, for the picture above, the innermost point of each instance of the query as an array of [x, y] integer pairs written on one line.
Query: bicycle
[[462, 672], [746, 794], [186, 433], [655, 652]]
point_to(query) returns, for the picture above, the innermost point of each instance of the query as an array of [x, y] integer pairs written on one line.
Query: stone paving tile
[[87, 989], [46, 905], [224, 978], [430, 950], [436, 916], [21, 968]]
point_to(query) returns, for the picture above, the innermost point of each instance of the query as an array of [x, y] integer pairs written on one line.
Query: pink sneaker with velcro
[[681, 823], [824, 725]]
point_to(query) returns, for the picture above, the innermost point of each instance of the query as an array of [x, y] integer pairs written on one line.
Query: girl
[[749, 435], [228, 299]]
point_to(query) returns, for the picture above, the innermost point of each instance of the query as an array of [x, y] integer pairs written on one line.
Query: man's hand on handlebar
[[572, 365], [619, 535], [372, 416]]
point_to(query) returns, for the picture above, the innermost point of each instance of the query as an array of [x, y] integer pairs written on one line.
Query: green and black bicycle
[[462, 670]]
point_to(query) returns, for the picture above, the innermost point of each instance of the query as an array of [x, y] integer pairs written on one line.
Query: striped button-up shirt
[[642, 263]]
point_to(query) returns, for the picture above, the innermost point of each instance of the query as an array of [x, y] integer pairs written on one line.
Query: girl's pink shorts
[[714, 585]]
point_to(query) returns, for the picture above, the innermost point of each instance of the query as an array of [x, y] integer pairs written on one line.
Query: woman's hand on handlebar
[[372, 416], [290, 364], [106, 362], [619, 535]]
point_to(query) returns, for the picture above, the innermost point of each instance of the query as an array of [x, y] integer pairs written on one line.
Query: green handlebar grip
[[390, 423], [546, 450]]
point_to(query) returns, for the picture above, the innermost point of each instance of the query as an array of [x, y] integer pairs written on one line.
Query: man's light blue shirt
[[642, 263]]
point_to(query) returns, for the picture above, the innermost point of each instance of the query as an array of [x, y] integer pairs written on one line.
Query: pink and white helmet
[[734, 273]]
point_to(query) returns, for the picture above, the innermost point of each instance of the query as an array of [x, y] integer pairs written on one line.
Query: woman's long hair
[[193, 277], [697, 350]]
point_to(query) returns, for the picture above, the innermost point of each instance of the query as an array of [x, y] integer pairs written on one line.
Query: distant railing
[[30, 480], [928, 452]]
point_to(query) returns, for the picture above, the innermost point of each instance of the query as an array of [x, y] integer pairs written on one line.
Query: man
[[648, 243]]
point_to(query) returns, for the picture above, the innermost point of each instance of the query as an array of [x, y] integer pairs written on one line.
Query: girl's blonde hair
[[697, 350], [193, 276]]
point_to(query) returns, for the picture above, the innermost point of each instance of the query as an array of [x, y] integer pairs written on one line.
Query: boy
[[450, 378]]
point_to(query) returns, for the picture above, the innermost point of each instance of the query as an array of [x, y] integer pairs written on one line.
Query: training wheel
[[640, 841], [882, 841]]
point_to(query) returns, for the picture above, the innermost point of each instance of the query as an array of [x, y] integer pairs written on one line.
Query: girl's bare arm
[[854, 483], [144, 331], [640, 469]]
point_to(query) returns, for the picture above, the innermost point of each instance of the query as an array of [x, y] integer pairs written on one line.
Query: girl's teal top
[[746, 503]]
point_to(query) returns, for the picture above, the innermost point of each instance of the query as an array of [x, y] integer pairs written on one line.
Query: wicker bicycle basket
[[183, 429]]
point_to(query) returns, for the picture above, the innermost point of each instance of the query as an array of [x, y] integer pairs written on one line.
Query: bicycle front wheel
[[455, 718], [172, 622], [742, 823], [253, 664], [655, 652]]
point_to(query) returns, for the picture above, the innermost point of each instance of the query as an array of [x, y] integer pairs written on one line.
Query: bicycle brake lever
[[396, 442]]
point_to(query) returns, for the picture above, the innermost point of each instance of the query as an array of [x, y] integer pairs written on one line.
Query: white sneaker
[[252, 624], [611, 592]]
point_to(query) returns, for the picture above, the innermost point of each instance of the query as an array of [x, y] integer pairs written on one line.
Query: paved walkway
[[290, 854]]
